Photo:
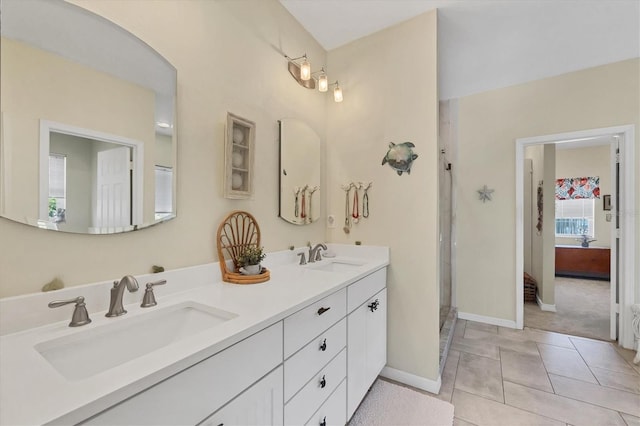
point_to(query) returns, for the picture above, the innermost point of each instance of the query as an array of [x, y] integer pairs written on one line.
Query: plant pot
[[251, 269]]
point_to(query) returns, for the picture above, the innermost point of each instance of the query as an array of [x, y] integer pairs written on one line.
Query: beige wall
[[489, 124], [385, 103], [229, 58], [37, 85], [589, 161]]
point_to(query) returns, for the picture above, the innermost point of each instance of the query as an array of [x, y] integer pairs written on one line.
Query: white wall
[[229, 58], [489, 124], [589, 161], [385, 101]]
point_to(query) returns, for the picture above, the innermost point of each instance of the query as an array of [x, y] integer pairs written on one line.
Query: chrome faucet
[[314, 253], [117, 291]]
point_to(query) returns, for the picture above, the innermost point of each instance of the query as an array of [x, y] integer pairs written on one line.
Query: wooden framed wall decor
[[238, 159]]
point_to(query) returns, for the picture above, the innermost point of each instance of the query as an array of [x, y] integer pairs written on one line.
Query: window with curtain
[[575, 218], [57, 187]]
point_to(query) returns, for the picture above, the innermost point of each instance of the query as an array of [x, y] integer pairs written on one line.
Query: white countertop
[[33, 392]]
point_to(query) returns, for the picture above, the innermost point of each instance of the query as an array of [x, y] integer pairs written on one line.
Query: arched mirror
[[299, 172], [87, 122]]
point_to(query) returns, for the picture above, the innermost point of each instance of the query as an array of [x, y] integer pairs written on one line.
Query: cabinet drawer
[[360, 291], [334, 411], [193, 394], [302, 406], [313, 320], [310, 359]]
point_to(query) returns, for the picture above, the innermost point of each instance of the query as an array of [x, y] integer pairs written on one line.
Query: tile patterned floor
[[500, 376]]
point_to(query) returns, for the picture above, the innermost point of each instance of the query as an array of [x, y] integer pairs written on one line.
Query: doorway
[[623, 227]]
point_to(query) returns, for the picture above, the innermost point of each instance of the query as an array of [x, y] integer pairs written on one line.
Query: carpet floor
[[582, 309], [388, 404]]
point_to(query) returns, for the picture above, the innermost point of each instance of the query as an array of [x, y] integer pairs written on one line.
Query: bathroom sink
[[336, 265], [92, 351]]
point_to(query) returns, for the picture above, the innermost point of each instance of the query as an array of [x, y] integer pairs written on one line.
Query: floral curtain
[[577, 188]]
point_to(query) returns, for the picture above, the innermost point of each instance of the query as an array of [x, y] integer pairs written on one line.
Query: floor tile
[[475, 347], [481, 411], [538, 336], [501, 341], [449, 376], [480, 376], [558, 407], [629, 419], [601, 355], [525, 369], [460, 422], [628, 355], [613, 379], [459, 330], [613, 399], [482, 327], [565, 362]]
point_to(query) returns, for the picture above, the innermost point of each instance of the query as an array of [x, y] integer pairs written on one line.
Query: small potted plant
[[249, 260]]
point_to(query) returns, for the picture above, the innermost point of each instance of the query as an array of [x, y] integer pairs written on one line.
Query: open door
[[615, 238], [113, 192]]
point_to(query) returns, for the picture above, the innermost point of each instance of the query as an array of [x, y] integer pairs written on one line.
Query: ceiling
[[488, 44]]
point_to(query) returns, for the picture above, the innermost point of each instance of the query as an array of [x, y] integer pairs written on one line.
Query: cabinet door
[[260, 405], [366, 348]]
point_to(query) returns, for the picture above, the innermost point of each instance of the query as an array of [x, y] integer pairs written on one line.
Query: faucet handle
[[80, 315], [303, 261], [149, 298]]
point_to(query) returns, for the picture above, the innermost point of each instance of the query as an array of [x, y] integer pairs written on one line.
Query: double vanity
[[302, 348]]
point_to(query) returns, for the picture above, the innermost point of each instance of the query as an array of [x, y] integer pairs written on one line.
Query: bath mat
[[388, 404]]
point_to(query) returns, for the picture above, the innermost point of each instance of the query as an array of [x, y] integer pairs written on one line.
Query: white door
[[261, 405], [615, 241], [113, 200]]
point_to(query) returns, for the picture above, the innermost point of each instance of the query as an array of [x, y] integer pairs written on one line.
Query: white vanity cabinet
[[192, 395], [312, 368], [367, 331]]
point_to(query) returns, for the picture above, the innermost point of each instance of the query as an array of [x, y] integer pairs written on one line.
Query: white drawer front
[[309, 322], [361, 290], [334, 411], [302, 406], [193, 394], [316, 354]]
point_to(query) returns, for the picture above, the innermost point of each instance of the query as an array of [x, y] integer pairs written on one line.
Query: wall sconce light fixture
[[300, 70]]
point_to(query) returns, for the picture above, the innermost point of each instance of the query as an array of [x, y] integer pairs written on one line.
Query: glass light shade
[[337, 94], [305, 70], [323, 84]]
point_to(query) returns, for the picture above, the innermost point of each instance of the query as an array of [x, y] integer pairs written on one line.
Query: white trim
[[613, 268], [545, 306], [627, 219], [487, 320], [418, 382], [46, 127]]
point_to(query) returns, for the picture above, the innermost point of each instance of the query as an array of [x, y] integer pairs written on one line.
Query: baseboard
[[412, 380], [545, 306], [487, 320]]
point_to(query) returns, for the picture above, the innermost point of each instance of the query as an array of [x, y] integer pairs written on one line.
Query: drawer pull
[[374, 305], [323, 310], [323, 346], [323, 382], [324, 421]]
